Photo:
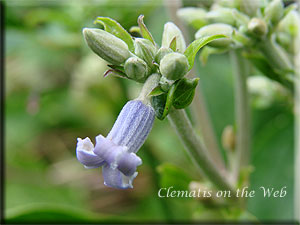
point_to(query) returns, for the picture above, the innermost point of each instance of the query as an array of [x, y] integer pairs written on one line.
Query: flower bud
[[257, 27], [161, 53], [193, 16], [106, 45], [290, 24], [170, 32], [228, 138], [221, 15], [136, 69], [250, 7], [217, 28], [274, 11], [287, 31], [165, 84], [145, 50], [264, 92], [174, 66]]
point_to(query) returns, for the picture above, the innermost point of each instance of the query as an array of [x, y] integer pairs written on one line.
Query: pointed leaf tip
[[117, 30], [195, 46], [144, 30]]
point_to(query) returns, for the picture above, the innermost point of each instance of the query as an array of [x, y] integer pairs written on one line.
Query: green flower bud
[[221, 15], [165, 83], [250, 7], [257, 27], [287, 31], [290, 24], [107, 46], [216, 28], [228, 138], [241, 19], [264, 92], [227, 3], [144, 49], [161, 53], [174, 66], [193, 16], [170, 32], [274, 11], [136, 69]]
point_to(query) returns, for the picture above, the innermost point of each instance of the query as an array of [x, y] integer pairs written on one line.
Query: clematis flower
[[116, 153]]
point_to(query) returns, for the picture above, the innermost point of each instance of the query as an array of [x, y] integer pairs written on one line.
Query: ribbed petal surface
[[132, 125]]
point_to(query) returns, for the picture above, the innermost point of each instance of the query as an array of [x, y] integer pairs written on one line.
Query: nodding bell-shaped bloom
[[116, 153]]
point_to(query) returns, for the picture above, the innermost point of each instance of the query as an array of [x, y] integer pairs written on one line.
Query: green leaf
[[169, 100], [163, 103], [207, 51], [180, 95], [116, 67], [184, 93], [158, 103], [241, 38], [116, 29], [144, 30], [156, 91], [195, 46], [290, 8], [114, 72], [173, 44]]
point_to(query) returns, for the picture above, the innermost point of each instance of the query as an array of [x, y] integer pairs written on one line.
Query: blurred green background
[[55, 92]]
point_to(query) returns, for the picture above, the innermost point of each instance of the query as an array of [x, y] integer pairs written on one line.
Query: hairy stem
[[198, 107], [197, 150], [242, 111], [276, 56], [148, 86]]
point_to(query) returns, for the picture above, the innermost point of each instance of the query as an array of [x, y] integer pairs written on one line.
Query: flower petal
[[114, 178], [108, 150], [117, 156], [85, 155], [132, 125], [127, 163]]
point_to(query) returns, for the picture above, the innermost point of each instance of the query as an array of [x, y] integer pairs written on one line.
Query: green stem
[[197, 150], [275, 55], [198, 107], [148, 86], [242, 111], [203, 120]]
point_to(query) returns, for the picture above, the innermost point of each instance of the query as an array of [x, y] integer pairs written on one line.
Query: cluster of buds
[[245, 23], [145, 58], [162, 71], [131, 64], [258, 18]]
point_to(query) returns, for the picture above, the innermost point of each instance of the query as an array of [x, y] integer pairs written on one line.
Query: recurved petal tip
[[85, 154]]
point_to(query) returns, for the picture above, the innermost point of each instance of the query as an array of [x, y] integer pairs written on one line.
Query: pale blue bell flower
[[116, 153]]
